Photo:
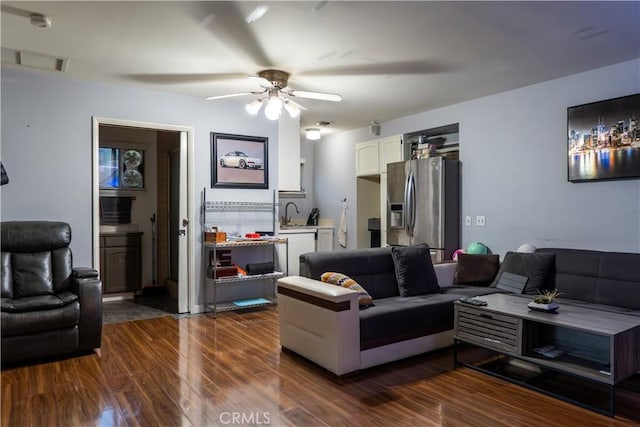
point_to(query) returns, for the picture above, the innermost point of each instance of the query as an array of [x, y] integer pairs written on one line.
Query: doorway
[[162, 208]]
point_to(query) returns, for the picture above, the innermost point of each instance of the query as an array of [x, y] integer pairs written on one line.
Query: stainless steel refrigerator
[[423, 205]]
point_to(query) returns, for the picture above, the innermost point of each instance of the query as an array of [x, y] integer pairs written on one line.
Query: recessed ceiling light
[[257, 13]]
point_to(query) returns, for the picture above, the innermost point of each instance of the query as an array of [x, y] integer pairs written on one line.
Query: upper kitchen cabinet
[[372, 156], [289, 153], [367, 158], [390, 151]]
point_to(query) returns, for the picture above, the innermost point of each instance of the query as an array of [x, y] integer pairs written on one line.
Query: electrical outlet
[[467, 220], [481, 221]]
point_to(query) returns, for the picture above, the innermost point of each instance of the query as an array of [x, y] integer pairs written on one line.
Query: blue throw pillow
[[414, 270]]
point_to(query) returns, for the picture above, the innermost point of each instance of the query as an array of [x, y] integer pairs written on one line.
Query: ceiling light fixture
[[273, 108], [254, 106], [313, 134], [277, 95], [274, 104], [291, 108]]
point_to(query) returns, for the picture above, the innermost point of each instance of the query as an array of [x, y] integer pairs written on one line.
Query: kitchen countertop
[[302, 228], [300, 224]]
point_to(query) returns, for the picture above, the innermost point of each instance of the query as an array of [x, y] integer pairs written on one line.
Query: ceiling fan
[[277, 95], [232, 26]]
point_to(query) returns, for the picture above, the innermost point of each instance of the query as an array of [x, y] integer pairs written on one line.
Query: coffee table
[[594, 348]]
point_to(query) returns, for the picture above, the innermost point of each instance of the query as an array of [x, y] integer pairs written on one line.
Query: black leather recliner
[[48, 307]]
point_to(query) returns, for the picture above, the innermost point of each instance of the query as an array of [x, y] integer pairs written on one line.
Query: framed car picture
[[239, 161]]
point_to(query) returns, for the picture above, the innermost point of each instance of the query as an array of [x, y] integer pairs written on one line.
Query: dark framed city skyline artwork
[[603, 140], [239, 161]]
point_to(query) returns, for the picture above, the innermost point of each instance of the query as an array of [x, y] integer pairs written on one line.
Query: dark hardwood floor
[[203, 371]]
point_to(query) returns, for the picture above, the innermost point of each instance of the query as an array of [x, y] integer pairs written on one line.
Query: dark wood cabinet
[[120, 262]]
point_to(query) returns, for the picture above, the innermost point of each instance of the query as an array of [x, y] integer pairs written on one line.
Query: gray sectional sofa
[[600, 280], [325, 324]]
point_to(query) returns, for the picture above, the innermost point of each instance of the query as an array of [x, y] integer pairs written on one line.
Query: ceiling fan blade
[[182, 78], [230, 95], [15, 11], [226, 20], [380, 68], [316, 95]]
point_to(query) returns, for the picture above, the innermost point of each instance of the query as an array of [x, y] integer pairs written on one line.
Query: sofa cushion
[[414, 270], [476, 270], [398, 319], [33, 322], [40, 302], [372, 268], [364, 299], [535, 266], [32, 274]]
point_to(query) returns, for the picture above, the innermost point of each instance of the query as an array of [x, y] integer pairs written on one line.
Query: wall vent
[[39, 61]]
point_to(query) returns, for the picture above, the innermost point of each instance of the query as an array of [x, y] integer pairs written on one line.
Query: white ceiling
[[386, 59]]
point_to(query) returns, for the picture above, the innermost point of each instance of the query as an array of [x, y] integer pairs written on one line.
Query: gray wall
[[307, 203], [47, 140], [513, 149]]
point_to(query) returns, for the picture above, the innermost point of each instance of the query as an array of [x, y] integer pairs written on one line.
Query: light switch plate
[[481, 221], [467, 220]]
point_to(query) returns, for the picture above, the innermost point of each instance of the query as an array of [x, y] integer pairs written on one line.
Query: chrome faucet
[[287, 218]]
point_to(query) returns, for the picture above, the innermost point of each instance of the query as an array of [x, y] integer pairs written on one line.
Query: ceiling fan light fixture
[[274, 108], [313, 134], [291, 109], [254, 106]]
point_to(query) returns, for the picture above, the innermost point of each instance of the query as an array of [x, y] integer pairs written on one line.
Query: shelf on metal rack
[[241, 305], [242, 278], [242, 243]]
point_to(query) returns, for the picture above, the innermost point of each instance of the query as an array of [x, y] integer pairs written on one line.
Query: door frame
[[189, 287]]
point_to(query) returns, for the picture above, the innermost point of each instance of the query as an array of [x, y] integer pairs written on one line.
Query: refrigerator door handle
[[410, 204], [407, 202]]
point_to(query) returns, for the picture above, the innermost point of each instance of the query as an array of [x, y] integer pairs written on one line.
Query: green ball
[[477, 248]]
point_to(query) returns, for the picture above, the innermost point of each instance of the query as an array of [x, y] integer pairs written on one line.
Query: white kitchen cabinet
[[367, 158], [390, 151], [372, 178], [301, 240], [324, 240], [372, 156]]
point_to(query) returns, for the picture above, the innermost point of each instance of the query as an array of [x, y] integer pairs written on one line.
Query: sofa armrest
[[315, 289], [445, 272], [320, 322], [84, 272], [89, 291]]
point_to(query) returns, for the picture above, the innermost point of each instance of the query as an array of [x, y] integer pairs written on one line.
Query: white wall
[[46, 145], [513, 153]]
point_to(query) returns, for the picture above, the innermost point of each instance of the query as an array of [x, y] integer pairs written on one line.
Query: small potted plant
[[545, 301]]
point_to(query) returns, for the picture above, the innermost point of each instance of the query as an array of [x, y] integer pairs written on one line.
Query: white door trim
[[95, 222]]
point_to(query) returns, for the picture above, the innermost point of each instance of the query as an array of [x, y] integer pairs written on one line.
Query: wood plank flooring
[[203, 371]]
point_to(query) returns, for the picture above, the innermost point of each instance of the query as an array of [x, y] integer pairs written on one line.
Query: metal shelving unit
[[225, 213]]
